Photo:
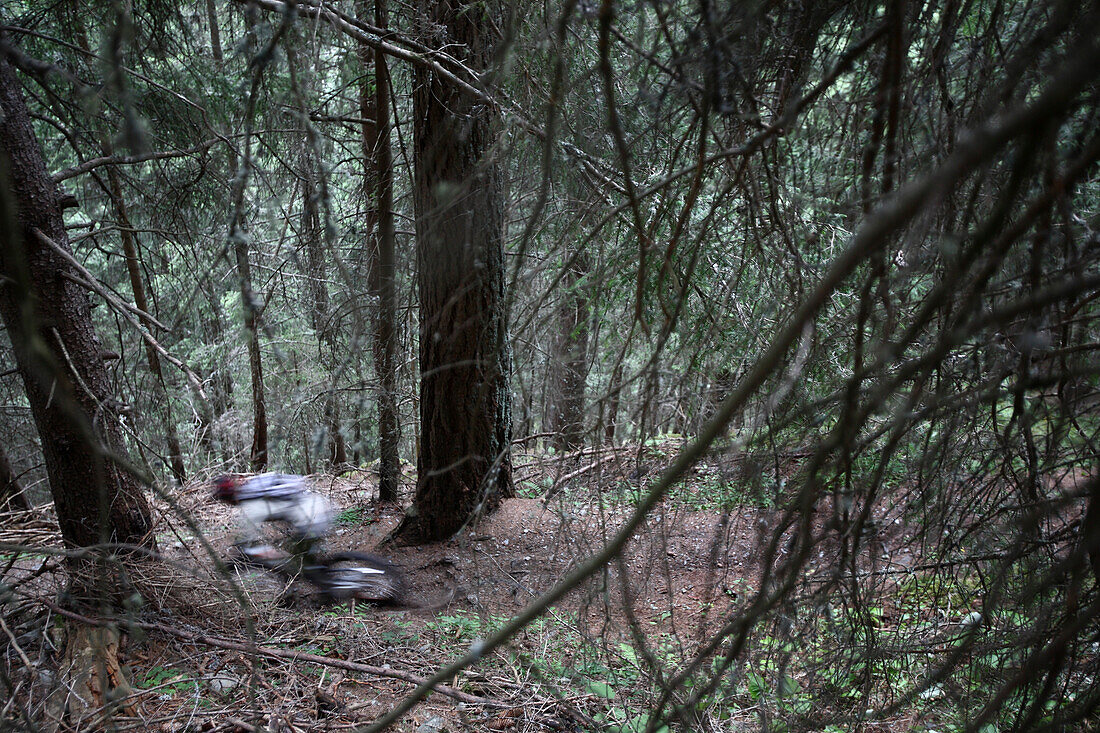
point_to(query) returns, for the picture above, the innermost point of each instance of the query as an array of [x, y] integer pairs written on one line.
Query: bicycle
[[344, 576]]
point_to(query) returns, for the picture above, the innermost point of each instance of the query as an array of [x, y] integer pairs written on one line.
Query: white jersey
[[280, 497], [271, 486]]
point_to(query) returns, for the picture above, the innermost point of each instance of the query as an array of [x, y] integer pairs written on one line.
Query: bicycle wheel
[[357, 575]]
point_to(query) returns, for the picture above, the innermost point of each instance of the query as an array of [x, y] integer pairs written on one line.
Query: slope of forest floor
[[580, 667]]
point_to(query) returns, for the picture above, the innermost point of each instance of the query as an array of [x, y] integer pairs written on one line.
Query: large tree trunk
[[95, 688], [465, 406], [378, 156], [57, 352]]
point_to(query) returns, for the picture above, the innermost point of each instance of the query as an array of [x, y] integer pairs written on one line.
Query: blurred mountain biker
[[275, 497]]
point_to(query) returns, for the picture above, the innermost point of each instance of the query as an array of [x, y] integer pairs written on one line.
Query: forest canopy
[[826, 272]]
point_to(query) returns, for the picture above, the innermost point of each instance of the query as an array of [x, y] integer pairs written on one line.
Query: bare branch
[[127, 311], [94, 163]]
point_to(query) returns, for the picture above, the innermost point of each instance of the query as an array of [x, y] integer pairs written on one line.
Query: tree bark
[[215, 33], [378, 156], [571, 362], [464, 466], [57, 351]]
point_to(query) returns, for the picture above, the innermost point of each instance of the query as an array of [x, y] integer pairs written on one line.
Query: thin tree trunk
[[614, 393], [357, 429], [314, 248], [137, 285], [239, 239], [57, 351], [221, 393], [570, 364], [215, 33], [338, 450], [133, 268], [319, 303], [258, 455], [11, 493], [314, 231], [375, 111]]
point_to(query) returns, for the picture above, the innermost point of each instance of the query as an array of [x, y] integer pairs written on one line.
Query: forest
[[683, 365]]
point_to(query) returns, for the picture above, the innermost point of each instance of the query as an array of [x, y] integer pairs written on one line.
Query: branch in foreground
[[128, 312], [94, 163], [974, 149], [418, 55]]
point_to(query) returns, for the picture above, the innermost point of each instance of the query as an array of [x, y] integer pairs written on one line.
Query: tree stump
[[93, 688]]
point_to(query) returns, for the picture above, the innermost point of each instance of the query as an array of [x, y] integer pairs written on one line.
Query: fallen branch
[[560, 483], [287, 654]]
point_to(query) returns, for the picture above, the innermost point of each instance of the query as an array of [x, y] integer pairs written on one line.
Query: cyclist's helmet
[[225, 489]]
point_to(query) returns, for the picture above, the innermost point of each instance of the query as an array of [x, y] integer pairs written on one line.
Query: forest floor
[[196, 665]]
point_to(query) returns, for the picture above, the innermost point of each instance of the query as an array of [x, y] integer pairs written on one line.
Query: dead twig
[[560, 483]]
